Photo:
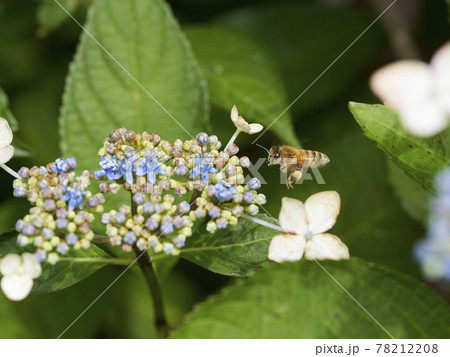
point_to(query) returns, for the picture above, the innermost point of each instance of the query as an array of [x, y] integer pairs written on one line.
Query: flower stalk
[[146, 266], [10, 171]]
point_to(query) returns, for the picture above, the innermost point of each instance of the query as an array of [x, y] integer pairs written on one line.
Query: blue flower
[[75, 196], [60, 166], [224, 192], [111, 168], [150, 166], [202, 168]]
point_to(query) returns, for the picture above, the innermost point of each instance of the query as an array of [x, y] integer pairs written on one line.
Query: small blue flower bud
[[47, 233], [71, 239], [72, 163], [139, 198], [200, 212], [28, 229], [233, 149], [253, 209], [183, 207], [106, 218], [245, 161], [261, 199], [213, 140], [19, 225], [214, 212], [41, 255], [210, 190], [151, 224], [129, 238], [20, 191], [159, 208], [24, 172], [254, 184], [237, 211], [248, 197], [202, 138], [49, 205], [179, 241], [61, 223], [168, 248], [221, 223], [62, 248], [148, 208], [120, 218]]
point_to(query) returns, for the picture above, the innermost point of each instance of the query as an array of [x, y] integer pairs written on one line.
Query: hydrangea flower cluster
[[162, 177], [433, 252], [62, 209]]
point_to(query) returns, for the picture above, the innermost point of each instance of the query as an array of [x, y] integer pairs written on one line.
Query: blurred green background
[[38, 42]]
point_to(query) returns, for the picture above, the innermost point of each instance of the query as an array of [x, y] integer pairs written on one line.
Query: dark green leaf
[[305, 39], [51, 14], [300, 300], [74, 266], [414, 199], [239, 71], [6, 113], [237, 250], [143, 37], [419, 158]]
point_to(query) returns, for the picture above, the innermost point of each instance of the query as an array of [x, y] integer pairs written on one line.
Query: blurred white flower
[[242, 126], [6, 136], [419, 91], [306, 224], [18, 273]]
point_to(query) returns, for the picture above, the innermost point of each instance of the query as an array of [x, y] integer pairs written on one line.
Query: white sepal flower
[[242, 124], [420, 92], [306, 224], [6, 136], [18, 273]]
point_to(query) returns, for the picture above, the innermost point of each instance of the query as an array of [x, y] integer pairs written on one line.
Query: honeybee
[[293, 160]]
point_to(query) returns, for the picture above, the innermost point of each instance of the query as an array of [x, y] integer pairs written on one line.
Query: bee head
[[274, 156]]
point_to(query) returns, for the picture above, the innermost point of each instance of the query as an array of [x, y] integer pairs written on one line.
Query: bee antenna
[[263, 148]]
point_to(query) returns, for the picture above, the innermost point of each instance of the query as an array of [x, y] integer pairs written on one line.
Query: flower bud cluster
[[159, 225], [62, 210], [194, 170]]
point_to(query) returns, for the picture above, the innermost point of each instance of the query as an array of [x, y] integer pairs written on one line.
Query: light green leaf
[[305, 39], [300, 300], [240, 72], [144, 38], [236, 250], [419, 158], [74, 266]]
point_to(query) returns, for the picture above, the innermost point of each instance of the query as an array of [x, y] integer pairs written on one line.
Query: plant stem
[[263, 223], [110, 261], [233, 138], [10, 171], [148, 270]]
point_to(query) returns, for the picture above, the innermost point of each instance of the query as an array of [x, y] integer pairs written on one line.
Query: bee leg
[[294, 177]]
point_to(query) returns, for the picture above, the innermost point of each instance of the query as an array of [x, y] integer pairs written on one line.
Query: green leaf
[[74, 266], [144, 38], [236, 250], [414, 199], [240, 71], [419, 158], [50, 15], [6, 113], [305, 39], [300, 300]]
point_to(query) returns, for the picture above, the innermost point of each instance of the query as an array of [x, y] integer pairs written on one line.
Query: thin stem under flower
[[263, 223], [148, 270], [10, 171], [233, 138]]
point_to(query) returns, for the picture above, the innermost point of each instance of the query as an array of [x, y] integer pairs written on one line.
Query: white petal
[[234, 114], [326, 246], [255, 128], [9, 264], [242, 125], [6, 134], [286, 248], [293, 216], [6, 153], [402, 83], [424, 119], [31, 265], [322, 210], [16, 287], [440, 64]]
